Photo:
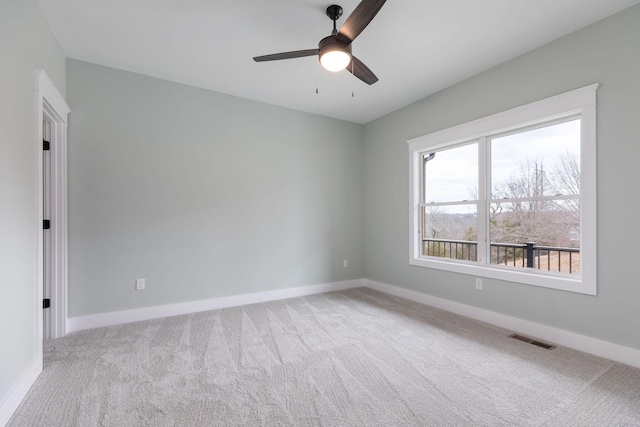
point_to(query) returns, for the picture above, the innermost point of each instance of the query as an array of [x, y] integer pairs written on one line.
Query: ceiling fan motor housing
[[330, 43]]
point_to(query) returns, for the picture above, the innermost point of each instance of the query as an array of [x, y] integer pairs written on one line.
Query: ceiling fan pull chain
[[353, 80], [317, 73]]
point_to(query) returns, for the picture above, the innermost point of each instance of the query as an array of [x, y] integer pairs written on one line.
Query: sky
[[453, 174]]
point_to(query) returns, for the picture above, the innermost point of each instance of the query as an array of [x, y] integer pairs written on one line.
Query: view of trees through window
[[532, 209]]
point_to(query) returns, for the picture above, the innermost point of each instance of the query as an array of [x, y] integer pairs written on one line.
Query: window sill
[[540, 278]]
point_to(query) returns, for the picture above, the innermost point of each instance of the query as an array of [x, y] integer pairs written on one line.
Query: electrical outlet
[[345, 263], [478, 283], [140, 284]]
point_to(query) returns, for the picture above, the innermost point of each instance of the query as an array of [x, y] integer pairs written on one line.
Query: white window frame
[[578, 103]]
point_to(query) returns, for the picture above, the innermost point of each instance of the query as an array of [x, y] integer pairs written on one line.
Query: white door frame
[[53, 109]]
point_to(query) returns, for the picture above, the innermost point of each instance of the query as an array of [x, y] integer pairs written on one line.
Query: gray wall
[[25, 43], [205, 195], [606, 53]]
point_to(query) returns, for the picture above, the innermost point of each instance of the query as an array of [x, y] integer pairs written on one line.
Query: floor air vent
[[532, 341]]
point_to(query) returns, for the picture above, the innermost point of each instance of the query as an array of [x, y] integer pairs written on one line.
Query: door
[[52, 204], [46, 229]]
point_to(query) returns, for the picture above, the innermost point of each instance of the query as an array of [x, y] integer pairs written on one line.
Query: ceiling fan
[[334, 51]]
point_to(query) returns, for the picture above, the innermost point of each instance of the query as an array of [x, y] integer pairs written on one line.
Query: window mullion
[[484, 194], [436, 204], [534, 199]]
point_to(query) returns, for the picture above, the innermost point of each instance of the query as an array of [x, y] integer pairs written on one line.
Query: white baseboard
[[573, 340], [619, 353], [19, 391], [136, 315]]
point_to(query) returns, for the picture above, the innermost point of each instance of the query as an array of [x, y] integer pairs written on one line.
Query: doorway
[[52, 189]]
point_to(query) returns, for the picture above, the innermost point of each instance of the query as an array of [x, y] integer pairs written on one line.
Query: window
[[511, 196]]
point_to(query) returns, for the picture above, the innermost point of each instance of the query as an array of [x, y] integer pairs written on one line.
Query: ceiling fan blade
[[359, 19], [361, 71], [286, 55]]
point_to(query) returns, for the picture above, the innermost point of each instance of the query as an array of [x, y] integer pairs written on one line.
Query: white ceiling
[[415, 47]]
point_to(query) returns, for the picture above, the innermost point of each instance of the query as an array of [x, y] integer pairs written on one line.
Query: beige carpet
[[353, 358]]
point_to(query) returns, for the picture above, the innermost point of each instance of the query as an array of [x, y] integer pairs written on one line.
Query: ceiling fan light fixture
[[336, 60], [334, 54]]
